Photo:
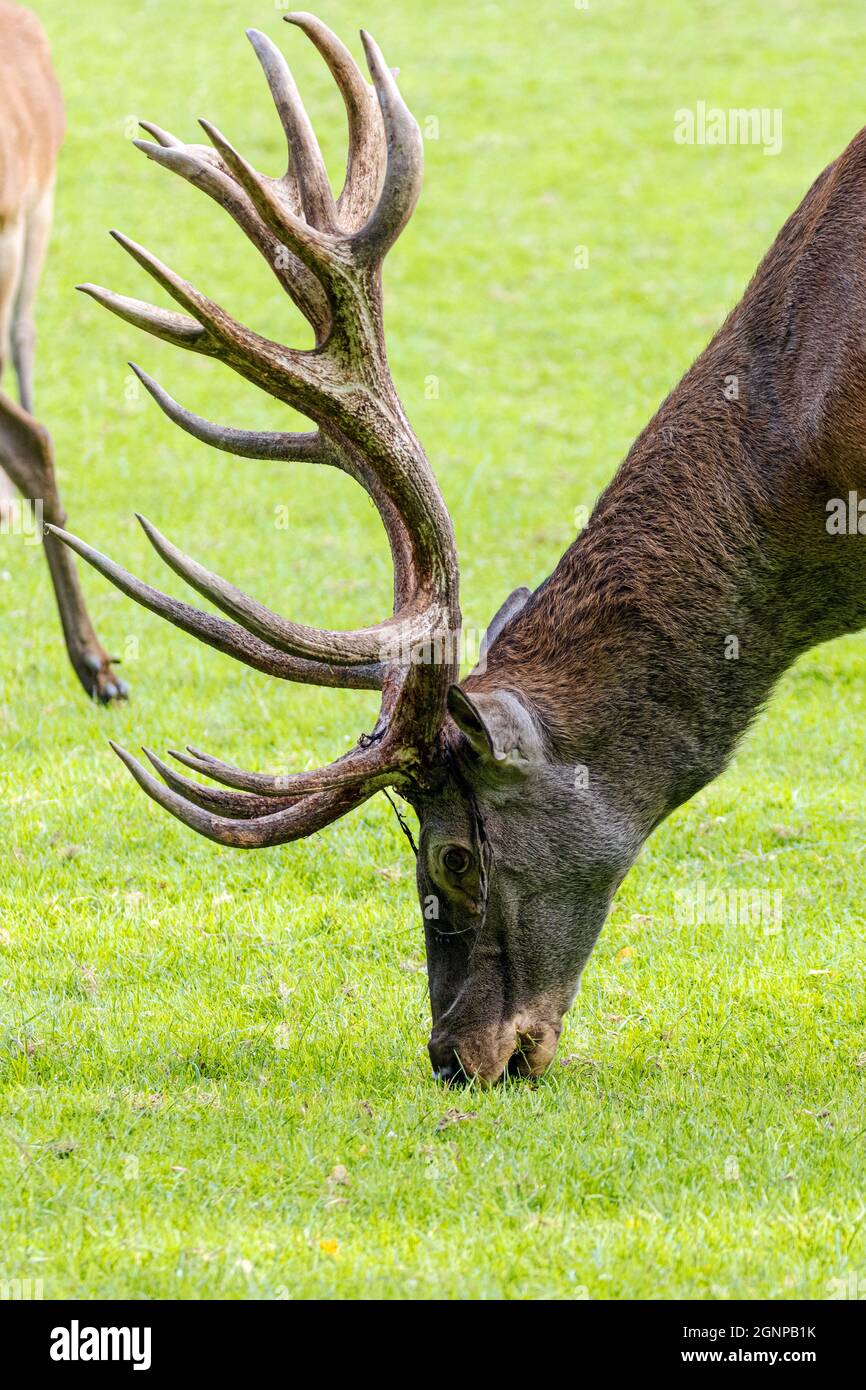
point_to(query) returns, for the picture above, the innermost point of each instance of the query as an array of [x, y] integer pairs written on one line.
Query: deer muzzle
[[522, 1045]]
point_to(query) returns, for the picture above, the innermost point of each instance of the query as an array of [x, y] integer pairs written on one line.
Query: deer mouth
[[524, 1046]]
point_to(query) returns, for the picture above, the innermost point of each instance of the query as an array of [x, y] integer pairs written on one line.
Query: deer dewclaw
[[623, 684]]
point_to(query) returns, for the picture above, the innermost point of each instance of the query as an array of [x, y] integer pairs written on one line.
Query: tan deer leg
[[23, 328], [11, 257], [27, 451]]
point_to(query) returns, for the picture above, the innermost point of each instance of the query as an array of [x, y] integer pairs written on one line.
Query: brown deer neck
[[704, 571], [709, 564]]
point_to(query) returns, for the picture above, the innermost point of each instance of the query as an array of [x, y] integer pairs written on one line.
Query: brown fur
[[31, 111], [715, 523], [31, 129]]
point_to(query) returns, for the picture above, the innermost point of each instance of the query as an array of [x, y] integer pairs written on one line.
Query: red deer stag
[[31, 129], [607, 697]]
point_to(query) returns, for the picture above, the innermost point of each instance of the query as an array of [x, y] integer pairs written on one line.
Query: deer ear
[[509, 609], [497, 726]]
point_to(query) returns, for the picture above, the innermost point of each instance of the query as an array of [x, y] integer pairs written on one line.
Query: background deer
[[616, 690], [31, 130]]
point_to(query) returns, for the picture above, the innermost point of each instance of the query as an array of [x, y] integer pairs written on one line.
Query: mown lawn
[[214, 1073]]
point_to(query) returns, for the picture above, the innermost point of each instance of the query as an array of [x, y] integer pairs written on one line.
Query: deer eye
[[456, 860]]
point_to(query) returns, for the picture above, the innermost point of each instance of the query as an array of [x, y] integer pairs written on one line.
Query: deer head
[[517, 864], [517, 861]]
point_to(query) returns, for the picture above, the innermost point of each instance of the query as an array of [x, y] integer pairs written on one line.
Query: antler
[[327, 255], [27, 455]]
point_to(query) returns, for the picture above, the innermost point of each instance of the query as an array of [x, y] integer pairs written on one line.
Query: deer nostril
[[451, 1073], [446, 1064], [516, 1064]]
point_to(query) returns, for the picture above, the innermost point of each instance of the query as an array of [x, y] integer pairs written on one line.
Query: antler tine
[[208, 314], [224, 636], [303, 238], [405, 166], [312, 447], [359, 647], [302, 379], [306, 166], [160, 323], [228, 774], [367, 155], [352, 768], [235, 805], [203, 168], [291, 823], [162, 137], [253, 444]]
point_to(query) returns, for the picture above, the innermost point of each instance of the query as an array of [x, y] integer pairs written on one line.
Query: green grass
[[193, 1040]]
